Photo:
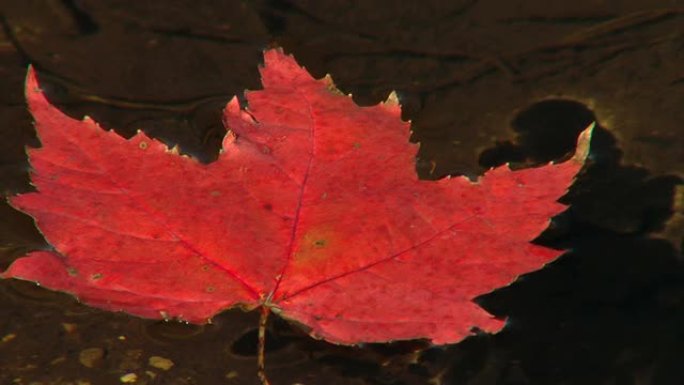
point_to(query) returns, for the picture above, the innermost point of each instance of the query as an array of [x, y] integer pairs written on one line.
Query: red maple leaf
[[312, 211]]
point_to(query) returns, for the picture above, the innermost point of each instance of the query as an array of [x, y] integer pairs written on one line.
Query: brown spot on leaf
[[316, 246]]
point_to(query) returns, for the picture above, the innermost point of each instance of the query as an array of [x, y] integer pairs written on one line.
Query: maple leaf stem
[[261, 366]]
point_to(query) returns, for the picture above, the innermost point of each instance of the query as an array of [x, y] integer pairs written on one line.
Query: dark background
[[484, 83]]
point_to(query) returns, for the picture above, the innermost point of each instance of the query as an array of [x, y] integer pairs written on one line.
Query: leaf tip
[[31, 79], [330, 85], [32, 91], [91, 123], [173, 150], [392, 99], [584, 143]]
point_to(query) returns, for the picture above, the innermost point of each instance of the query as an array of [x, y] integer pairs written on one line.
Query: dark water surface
[[484, 83]]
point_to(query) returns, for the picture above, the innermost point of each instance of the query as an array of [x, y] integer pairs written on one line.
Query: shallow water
[[483, 82]]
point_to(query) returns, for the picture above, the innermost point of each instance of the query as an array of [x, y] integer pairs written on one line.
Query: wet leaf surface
[[313, 211]]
